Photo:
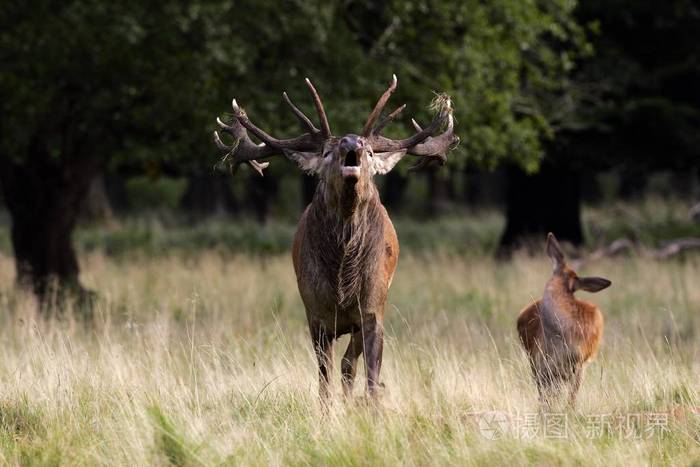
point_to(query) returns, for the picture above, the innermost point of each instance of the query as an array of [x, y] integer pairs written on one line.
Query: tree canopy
[[88, 85], [145, 82], [644, 105]]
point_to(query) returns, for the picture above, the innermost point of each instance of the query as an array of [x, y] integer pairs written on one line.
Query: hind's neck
[[557, 300]]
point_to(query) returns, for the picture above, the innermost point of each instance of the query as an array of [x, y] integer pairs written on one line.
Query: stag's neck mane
[[347, 246]]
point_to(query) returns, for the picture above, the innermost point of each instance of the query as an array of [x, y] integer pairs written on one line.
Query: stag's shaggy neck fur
[[346, 232]]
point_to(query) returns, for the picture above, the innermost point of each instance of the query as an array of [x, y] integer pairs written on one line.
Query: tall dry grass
[[206, 360]]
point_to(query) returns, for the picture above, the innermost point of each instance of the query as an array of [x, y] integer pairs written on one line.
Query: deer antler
[[422, 144], [244, 150]]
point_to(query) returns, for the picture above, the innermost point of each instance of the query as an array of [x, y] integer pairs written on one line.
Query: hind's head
[[563, 274]]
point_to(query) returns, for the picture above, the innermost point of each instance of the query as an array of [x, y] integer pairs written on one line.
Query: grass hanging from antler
[[442, 102], [441, 105]]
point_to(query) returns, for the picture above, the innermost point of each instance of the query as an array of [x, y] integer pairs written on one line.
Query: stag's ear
[[309, 162], [383, 162], [554, 251], [592, 284]]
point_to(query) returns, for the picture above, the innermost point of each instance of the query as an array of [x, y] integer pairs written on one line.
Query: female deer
[[559, 332]]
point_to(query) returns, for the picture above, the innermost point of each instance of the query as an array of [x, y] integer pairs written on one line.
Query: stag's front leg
[[349, 364], [323, 347], [373, 345]]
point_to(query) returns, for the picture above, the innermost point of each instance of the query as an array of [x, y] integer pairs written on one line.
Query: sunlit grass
[[206, 360]]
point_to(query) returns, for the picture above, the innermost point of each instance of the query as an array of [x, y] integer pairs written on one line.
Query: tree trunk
[[394, 189], [438, 192], [207, 193], [43, 197], [261, 193], [548, 201], [483, 187], [96, 207], [633, 181], [115, 188]]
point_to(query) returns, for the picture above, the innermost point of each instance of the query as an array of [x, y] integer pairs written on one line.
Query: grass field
[[204, 359]]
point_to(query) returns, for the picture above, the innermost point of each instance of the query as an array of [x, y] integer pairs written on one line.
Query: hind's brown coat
[[559, 332], [585, 336]]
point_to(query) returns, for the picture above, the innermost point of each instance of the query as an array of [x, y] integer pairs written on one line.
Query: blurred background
[[577, 118]]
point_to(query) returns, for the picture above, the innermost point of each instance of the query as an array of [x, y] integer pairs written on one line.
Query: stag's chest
[[339, 270]]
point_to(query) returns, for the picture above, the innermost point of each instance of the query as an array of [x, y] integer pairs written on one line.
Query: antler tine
[[243, 150], [303, 119], [388, 119], [437, 145], [435, 148], [325, 127], [250, 126], [246, 151], [422, 144], [258, 166], [379, 107], [423, 162], [382, 144], [217, 140], [305, 142], [416, 125]]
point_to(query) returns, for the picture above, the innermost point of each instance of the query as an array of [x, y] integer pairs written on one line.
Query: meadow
[[201, 356]]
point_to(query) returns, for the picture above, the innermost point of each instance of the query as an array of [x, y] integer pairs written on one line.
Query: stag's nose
[[350, 143]]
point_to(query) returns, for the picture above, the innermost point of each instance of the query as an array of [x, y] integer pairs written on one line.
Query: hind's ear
[[554, 251], [591, 284]]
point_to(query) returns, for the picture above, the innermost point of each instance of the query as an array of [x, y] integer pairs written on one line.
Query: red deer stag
[[559, 332], [345, 249]]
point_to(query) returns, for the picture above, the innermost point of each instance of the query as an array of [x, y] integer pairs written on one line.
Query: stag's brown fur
[[345, 253], [559, 332]]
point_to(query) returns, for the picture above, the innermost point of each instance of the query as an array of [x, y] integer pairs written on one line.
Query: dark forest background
[[107, 109]]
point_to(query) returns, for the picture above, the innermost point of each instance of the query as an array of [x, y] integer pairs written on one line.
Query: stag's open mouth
[[351, 167]]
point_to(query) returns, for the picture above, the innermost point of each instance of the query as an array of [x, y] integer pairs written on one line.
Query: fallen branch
[[695, 213], [623, 245], [675, 247]]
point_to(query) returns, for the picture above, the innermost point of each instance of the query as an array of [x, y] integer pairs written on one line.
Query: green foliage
[[164, 192], [651, 223], [96, 79], [640, 89], [505, 63], [124, 79]]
